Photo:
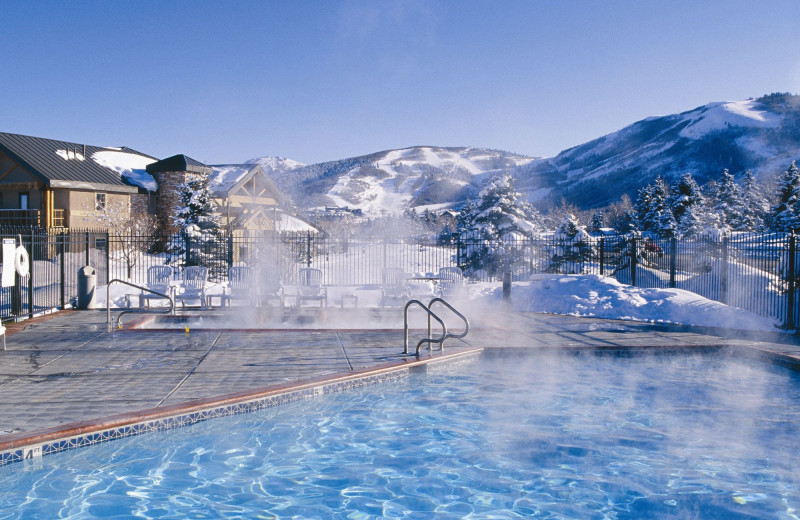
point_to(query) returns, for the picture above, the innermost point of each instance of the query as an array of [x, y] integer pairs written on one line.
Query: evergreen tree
[[573, 247], [199, 227], [727, 203], [493, 223], [755, 206], [784, 216], [501, 210], [598, 222], [688, 208], [196, 210], [652, 209]]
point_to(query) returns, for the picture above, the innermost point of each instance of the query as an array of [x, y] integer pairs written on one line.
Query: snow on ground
[[602, 297], [715, 116], [575, 295]]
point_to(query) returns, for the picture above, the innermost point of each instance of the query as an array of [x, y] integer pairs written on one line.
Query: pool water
[[579, 435]]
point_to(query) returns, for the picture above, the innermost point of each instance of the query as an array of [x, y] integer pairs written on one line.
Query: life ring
[[21, 261]]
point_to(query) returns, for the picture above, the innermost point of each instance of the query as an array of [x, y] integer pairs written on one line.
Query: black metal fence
[[755, 272]]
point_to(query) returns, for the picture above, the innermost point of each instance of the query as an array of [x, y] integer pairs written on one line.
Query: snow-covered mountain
[[272, 165], [394, 180], [762, 135]]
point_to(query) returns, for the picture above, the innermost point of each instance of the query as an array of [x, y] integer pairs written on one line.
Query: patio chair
[[311, 288], [451, 279], [193, 286], [158, 278], [241, 286], [394, 287]]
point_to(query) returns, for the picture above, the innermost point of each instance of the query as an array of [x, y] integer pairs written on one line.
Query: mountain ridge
[[761, 135]]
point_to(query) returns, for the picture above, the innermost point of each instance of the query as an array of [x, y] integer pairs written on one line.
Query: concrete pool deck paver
[[67, 369]]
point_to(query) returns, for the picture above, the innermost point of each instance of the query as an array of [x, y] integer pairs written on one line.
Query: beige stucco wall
[[81, 212]]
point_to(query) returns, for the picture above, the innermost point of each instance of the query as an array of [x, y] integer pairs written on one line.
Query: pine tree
[[727, 203], [501, 210], [494, 222], [755, 206], [784, 216], [573, 247], [598, 222], [688, 208], [199, 226], [652, 209]]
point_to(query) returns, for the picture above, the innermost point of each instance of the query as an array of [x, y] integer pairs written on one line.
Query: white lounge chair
[[241, 286], [394, 287], [311, 288], [193, 286], [158, 278]]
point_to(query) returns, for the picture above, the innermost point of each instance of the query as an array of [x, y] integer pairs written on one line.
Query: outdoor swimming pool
[[584, 434]]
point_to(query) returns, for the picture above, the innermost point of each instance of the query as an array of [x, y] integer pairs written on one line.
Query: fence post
[[308, 249], [187, 244], [30, 276], [62, 268], [791, 267], [108, 256], [633, 261], [602, 255], [87, 248], [230, 248], [723, 275], [673, 261]]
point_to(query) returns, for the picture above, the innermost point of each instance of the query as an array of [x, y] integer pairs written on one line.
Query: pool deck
[[67, 368]]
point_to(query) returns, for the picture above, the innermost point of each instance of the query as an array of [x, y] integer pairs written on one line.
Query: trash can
[[87, 282]]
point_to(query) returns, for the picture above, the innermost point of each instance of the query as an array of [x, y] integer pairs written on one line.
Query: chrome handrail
[[428, 340], [454, 311], [119, 317]]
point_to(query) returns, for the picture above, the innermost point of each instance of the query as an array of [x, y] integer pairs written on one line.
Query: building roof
[[227, 178], [178, 163], [61, 164]]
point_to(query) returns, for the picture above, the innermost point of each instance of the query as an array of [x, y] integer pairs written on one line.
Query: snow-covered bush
[[573, 247]]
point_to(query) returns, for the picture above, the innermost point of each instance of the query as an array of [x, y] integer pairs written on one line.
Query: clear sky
[[227, 81]]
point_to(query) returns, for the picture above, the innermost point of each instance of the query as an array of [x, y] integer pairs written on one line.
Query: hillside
[[762, 135], [394, 180]]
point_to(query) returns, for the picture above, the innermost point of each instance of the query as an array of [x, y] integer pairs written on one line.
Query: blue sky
[[313, 81]]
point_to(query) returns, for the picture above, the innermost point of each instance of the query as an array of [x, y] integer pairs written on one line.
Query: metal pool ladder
[[119, 316], [445, 334]]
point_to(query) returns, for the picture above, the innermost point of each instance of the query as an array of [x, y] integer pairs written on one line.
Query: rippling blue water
[[571, 436]]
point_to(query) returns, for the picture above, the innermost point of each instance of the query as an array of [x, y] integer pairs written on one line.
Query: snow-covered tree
[[755, 206], [598, 222], [494, 223], [785, 216], [573, 247], [727, 203], [652, 209], [688, 208], [501, 210], [199, 227]]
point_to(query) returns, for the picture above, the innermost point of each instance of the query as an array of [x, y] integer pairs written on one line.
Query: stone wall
[[167, 198]]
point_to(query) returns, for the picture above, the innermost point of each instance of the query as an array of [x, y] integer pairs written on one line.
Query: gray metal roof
[[178, 163], [64, 164]]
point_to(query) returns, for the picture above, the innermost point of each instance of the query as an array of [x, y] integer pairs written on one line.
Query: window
[[23, 200], [100, 201]]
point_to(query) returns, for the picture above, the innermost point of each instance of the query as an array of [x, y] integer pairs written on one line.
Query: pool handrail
[[131, 311], [428, 340], [454, 311]]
